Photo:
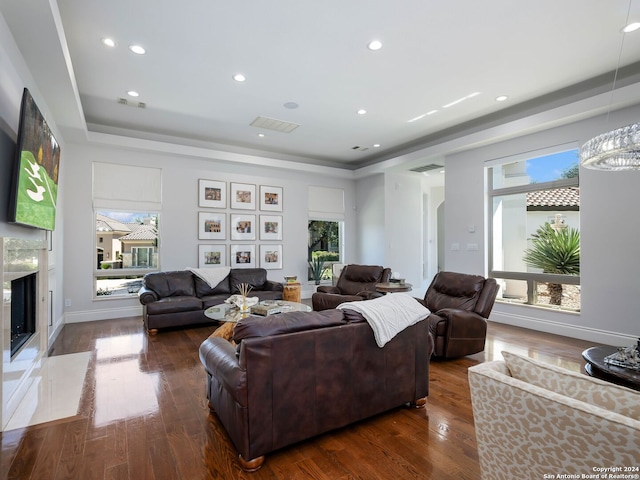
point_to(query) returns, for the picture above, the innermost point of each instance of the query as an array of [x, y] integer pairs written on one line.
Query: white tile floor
[[55, 392]]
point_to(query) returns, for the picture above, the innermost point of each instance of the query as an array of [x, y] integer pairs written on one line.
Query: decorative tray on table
[[628, 357], [268, 307]]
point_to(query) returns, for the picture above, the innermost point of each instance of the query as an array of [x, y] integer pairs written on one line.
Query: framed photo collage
[[245, 225]]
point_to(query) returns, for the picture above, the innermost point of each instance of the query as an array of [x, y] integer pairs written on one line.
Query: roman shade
[[326, 203], [125, 187]]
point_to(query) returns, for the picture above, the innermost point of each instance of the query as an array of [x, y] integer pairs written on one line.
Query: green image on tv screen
[[37, 194]]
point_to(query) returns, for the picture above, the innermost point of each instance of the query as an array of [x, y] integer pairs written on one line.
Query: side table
[[596, 367], [393, 287], [291, 292]]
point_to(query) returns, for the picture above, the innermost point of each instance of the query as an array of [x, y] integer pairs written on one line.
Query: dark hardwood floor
[[144, 415]]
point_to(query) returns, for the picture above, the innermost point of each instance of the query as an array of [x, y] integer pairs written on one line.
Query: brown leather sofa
[[177, 298], [356, 282], [459, 305], [296, 375]]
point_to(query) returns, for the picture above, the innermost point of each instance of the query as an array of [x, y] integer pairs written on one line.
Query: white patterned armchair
[[533, 419]]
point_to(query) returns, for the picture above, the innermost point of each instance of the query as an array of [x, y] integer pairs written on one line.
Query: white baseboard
[[563, 329], [102, 314]]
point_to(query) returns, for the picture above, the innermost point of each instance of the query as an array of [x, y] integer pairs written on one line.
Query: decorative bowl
[[290, 278]]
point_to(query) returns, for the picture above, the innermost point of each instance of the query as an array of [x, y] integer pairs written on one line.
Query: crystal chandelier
[[619, 149], [613, 151]]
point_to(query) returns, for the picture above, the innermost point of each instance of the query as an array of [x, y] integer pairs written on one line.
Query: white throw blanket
[[389, 315], [213, 276]]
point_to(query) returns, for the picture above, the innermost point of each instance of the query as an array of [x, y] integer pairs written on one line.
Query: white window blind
[[326, 203], [125, 187]]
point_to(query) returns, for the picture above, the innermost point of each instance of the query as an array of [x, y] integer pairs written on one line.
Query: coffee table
[[596, 367], [230, 315]]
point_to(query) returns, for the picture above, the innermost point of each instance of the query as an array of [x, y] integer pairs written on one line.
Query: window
[[324, 245], [129, 249], [535, 230], [326, 221]]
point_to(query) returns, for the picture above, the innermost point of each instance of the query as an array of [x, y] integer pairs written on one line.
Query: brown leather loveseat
[[176, 298], [299, 374]]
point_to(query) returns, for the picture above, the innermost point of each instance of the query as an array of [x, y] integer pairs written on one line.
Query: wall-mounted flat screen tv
[[35, 182]]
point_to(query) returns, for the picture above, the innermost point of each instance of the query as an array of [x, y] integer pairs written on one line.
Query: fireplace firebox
[[23, 310]]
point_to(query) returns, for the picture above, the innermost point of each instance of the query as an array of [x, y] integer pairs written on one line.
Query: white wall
[[370, 221], [465, 208], [178, 220], [609, 228], [434, 198], [403, 226], [397, 225]]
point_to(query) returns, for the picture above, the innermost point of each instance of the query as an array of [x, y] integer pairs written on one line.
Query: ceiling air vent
[[359, 148], [129, 103], [427, 168], [275, 125]]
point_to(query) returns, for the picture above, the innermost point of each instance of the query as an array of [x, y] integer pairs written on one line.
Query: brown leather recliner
[[356, 282], [459, 305]]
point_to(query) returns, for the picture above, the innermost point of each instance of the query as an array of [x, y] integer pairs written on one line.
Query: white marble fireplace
[[20, 259]]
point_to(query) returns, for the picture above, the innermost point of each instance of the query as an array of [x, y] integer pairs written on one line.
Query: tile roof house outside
[[117, 243], [554, 199], [140, 232], [139, 248], [106, 224]]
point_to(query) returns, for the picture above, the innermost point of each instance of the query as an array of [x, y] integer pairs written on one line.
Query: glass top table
[[226, 312]]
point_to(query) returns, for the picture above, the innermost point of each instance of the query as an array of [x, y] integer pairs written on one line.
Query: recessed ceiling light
[[362, 111], [374, 45], [291, 105], [261, 135], [501, 98], [133, 93], [109, 42], [137, 49], [632, 27], [376, 145], [238, 77]]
